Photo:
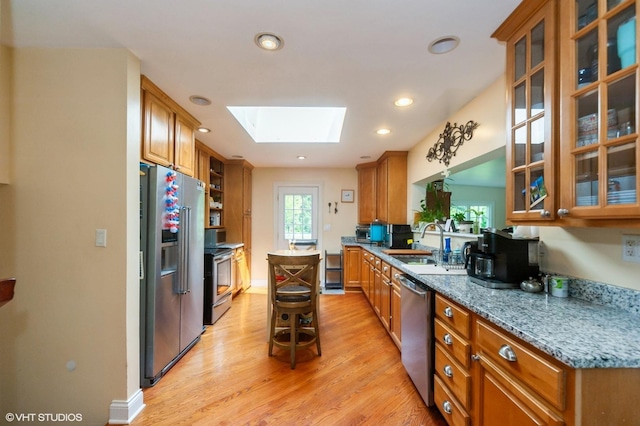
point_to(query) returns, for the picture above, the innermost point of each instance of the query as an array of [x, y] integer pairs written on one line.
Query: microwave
[[214, 237], [363, 234]]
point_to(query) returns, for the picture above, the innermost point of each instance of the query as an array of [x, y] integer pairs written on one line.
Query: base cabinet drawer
[[457, 346], [535, 371], [458, 318], [454, 376], [450, 408], [504, 401]]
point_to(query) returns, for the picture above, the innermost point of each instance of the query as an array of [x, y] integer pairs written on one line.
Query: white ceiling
[[358, 54]]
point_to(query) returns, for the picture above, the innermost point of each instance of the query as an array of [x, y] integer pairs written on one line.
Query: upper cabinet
[[599, 104], [572, 113], [168, 131], [382, 189], [367, 192], [210, 169], [531, 84]]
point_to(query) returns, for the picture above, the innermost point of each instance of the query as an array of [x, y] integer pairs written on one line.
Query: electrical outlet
[[631, 248]]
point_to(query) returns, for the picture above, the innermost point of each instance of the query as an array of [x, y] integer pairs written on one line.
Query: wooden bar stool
[[294, 287]]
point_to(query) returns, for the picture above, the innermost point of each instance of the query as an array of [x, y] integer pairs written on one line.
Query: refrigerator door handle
[[187, 243], [183, 252]]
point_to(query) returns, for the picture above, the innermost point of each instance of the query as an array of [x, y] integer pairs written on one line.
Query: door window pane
[[587, 179], [621, 174], [519, 191], [587, 108], [520, 103], [537, 44], [587, 59], [586, 12], [520, 58], [621, 103], [537, 93], [537, 140], [622, 39], [537, 190], [519, 145]]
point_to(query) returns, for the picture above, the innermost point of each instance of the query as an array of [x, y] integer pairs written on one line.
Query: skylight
[[291, 124]]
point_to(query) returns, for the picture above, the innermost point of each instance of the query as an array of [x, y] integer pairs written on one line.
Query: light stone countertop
[[578, 333]]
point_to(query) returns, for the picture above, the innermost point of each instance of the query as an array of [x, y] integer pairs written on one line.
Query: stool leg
[[272, 330], [293, 339], [316, 326]]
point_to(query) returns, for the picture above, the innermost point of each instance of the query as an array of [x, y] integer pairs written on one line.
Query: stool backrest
[[294, 275]]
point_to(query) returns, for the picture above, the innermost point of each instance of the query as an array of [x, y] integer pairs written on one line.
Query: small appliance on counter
[[497, 260], [378, 232], [398, 237], [363, 233]]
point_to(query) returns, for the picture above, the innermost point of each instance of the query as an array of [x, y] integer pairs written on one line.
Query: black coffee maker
[[497, 260]]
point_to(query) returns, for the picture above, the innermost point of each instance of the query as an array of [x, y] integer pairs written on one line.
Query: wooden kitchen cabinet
[[366, 270], [486, 376], [599, 130], [395, 328], [572, 113], [382, 189], [532, 125], [454, 389], [352, 267], [391, 203], [385, 295], [210, 169], [367, 175], [168, 130], [237, 209]]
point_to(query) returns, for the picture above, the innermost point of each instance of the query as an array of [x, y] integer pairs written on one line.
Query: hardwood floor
[[229, 379]]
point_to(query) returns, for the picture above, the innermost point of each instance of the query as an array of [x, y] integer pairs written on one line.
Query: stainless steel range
[[218, 277]]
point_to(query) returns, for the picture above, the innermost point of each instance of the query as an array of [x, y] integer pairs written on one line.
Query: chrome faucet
[[441, 238]]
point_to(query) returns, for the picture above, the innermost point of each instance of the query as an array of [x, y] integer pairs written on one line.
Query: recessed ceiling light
[[203, 130], [364, 157], [199, 100], [383, 131], [402, 102], [444, 44], [268, 41], [237, 156], [301, 157]]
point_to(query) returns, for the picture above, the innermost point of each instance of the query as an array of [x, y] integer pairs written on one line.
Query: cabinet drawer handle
[[507, 353], [448, 371], [563, 212], [448, 312], [447, 339], [446, 406], [385, 269]]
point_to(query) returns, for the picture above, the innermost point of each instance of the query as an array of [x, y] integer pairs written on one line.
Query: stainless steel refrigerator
[[171, 268]]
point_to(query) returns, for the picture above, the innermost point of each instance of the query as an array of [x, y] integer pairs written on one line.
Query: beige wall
[[5, 109], [588, 253], [332, 181], [76, 134]]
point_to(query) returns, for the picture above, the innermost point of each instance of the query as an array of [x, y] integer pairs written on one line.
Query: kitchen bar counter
[[578, 333]]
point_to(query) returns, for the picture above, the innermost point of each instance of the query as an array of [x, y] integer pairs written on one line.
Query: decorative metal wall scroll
[[450, 140]]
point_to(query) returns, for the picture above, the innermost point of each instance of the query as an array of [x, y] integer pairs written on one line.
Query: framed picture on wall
[[347, 195]]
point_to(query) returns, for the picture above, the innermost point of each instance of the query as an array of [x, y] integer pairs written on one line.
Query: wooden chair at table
[[294, 292]]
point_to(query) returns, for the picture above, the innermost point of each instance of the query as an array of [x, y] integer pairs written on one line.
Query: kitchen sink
[[415, 259]]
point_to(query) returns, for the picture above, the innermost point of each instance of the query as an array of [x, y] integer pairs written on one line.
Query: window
[[471, 209], [298, 214]]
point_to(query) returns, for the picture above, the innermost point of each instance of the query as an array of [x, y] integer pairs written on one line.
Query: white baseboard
[[123, 412]]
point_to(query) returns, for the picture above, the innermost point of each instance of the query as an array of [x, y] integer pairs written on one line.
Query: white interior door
[[297, 214]]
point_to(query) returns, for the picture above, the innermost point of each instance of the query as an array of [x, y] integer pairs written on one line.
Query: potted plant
[[476, 223]]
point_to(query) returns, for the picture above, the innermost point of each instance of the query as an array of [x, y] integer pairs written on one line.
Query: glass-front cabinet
[[599, 103], [531, 84], [572, 119]]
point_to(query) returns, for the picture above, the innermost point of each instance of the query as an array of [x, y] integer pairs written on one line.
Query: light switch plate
[[101, 237]]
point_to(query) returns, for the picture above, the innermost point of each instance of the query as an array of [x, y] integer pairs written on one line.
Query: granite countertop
[[232, 246], [578, 333]]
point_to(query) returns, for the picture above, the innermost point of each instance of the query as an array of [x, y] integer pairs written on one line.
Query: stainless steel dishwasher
[[417, 305]]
